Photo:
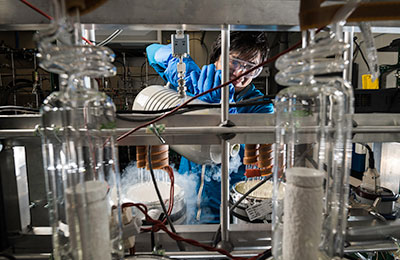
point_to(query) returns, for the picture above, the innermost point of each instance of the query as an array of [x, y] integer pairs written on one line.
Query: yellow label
[[367, 82]]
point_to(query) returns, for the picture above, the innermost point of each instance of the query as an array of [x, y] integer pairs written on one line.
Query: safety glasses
[[238, 64]]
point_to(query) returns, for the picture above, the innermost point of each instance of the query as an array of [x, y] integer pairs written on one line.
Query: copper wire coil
[[159, 157], [141, 153], [250, 154], [265, 156]]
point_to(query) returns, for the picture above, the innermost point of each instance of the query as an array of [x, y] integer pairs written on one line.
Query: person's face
[[237, 65]]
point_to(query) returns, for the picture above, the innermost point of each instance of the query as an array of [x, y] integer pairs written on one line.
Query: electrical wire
[[158, 225], [166, 212], [189, 108], [250, 191], [247, 102], [361, 52], [209, 91], [49, 17], [110, 38], [371, 160]]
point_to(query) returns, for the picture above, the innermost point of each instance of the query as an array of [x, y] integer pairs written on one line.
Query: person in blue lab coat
[[246, 50]]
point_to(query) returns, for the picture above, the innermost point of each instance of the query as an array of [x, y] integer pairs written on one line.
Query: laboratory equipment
[[79, 152], [139, 188], [381, 200], [180, 50], [256, 207], [158, 98], [313, 119]]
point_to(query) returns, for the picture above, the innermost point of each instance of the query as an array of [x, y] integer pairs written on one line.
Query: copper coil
[[250, 154], [159, 157], [265, 157], [141, 153]]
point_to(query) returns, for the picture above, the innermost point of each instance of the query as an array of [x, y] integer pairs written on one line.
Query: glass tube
[[82, 175], [79, 152], [313, 139]]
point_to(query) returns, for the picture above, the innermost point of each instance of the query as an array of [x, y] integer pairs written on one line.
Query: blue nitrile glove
[[161, 59], [209, 78]]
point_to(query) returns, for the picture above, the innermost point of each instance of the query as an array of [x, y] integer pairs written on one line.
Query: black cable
[[267, 97], [179, 243], [189, 108], [361, 52], [265, 255], [198, 106], [371, 159], [249, 191]]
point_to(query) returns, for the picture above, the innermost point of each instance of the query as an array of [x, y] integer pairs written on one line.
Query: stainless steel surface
[[176, 14], [243, 237], [203, 129], [128, 15], [224, 216]]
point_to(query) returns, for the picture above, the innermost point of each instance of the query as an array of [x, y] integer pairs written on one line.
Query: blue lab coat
[[161, 59]]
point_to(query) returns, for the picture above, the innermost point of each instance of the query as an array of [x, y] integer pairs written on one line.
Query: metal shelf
[[204, 129]]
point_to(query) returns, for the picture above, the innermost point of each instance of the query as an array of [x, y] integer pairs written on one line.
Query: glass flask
[[82, 175]]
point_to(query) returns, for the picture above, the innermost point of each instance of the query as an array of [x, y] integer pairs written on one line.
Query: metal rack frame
[[280, 15]]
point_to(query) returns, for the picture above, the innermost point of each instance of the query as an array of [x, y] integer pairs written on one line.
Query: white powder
[[88, 210], [145, 192], [262, 192], [302, 217]]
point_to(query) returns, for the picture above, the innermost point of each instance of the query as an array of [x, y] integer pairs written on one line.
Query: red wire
[[170, 172], [48, 17], [206, 92], [37, 9]]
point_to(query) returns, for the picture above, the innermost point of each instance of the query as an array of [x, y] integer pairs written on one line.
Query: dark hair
[[247, 44]]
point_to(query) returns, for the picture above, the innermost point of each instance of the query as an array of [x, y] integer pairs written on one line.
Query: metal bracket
[[227, 136]]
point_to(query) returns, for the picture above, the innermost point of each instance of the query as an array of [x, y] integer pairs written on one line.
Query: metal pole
[[224, 216], [225, 45]]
